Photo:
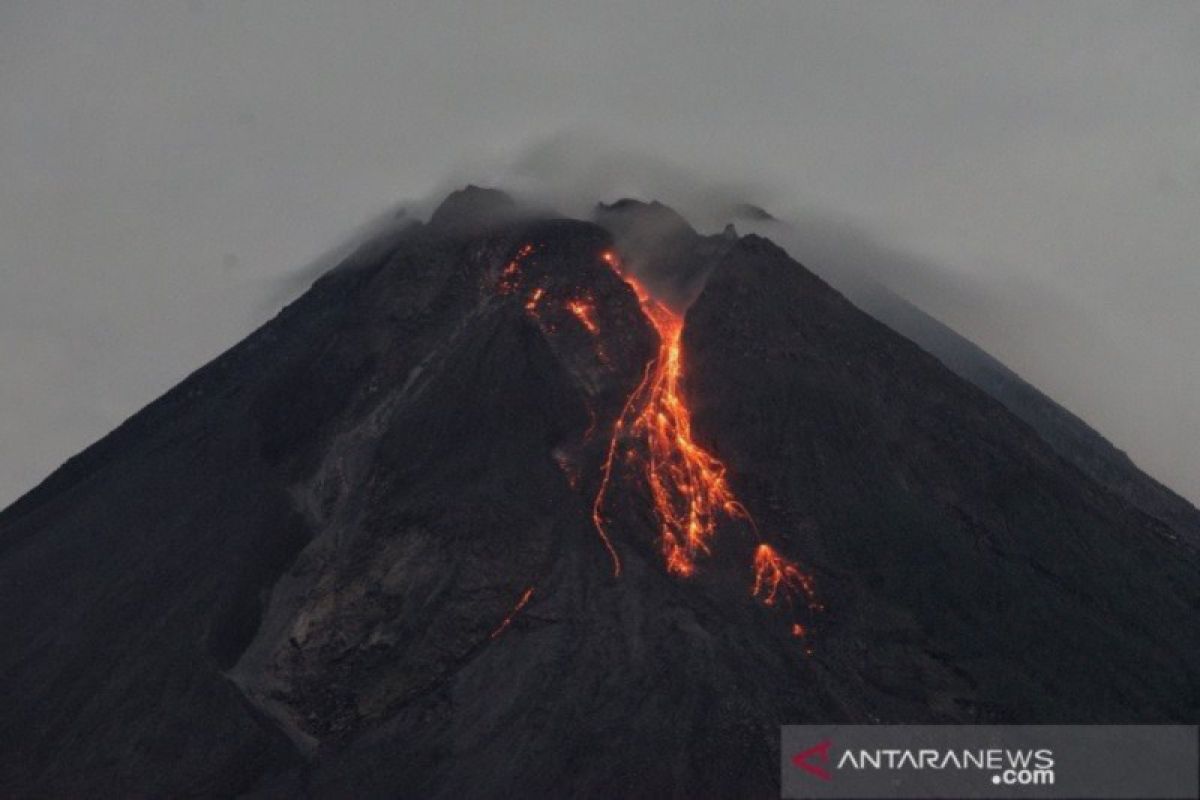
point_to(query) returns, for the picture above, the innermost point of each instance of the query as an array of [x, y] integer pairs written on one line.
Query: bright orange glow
[[606, 473], [511, 275], [775, 577], [687, 483], [652, 439], [585, 312], [512, 614]]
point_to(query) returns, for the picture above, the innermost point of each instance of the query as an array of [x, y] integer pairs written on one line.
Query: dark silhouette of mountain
[[407, 540], [856, 265], [1071, 437]]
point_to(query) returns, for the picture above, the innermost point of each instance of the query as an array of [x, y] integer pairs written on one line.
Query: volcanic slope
[[362, 553]]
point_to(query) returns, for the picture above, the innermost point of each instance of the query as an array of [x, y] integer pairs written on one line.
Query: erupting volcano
[[357, 554]]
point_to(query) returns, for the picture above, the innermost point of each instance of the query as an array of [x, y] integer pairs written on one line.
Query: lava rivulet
[[687, 484], [585, 312], [521, 603], [511, 275], [773, 573], [532, 303]]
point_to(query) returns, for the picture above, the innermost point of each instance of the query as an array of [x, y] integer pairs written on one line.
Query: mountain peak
[[647, 222], [472, 208]]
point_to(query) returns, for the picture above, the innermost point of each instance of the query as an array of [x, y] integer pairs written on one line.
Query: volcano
[[513, 503]]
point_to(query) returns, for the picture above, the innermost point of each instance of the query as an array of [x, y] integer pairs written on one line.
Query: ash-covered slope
[[853, 263], [358, 554], [1071, 437]]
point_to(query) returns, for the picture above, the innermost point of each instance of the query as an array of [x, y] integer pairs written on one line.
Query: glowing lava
[[687, 483], [532, 303], [774, 574], [510, 277], [512, 614], [653, 436], [585, 312]]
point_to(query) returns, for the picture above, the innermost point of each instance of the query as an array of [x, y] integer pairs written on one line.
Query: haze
[[168, 169]]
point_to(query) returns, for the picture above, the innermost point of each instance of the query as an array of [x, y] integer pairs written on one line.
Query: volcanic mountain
[[508, 503]]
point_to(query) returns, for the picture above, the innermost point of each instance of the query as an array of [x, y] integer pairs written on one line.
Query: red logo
[[820, 752]]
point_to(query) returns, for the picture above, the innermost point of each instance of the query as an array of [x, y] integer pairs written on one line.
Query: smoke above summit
[[167, 168]]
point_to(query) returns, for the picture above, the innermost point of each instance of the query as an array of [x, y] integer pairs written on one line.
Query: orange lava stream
[[653, 433], [585, 312], [532, 303], [511, 276], [773, 573], [606, 473], [687, 483], [512, 614]]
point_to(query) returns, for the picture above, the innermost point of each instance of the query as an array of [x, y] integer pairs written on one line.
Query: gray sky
[[166, 166]]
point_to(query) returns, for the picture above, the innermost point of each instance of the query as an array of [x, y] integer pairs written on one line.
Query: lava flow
[[773, 573], [585, 313], [653, 432], [511, 276], [521, 603], [687, 483]]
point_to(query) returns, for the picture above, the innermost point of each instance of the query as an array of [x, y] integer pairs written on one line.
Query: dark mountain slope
[[932, 507], [855, 264], [356, 555], [1071, 437]]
